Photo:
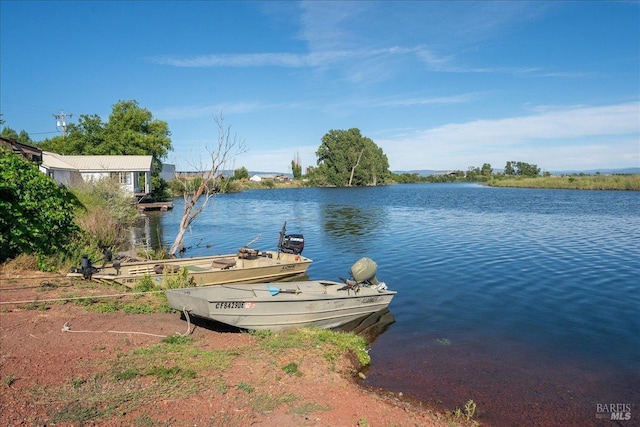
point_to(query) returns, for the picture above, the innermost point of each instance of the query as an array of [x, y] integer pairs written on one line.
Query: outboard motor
[[364, 272], [290, 243], [86, 268]]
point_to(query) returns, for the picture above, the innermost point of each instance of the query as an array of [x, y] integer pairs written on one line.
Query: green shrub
[[36, 214]]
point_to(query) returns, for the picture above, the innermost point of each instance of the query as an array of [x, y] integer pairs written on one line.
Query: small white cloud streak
[[252, 60], [376, 59], [408, 102], [296, 60]]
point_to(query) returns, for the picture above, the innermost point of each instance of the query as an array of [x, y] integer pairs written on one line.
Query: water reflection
[[371, 326], [351, 225], [147, 232]]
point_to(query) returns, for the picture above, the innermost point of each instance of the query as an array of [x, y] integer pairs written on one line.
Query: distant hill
[[602, 171]]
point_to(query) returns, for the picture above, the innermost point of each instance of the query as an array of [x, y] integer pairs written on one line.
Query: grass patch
[[88, 402], [265, 402], [127, 374], [77, 412], [245, 387], [133, 304], [171, 373], [333, 344], [177, 340], [105, 306], [141, 308], [307, 408], [292, 369], [174, 368]]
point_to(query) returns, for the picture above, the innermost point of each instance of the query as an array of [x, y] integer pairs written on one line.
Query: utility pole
[[61, 121]]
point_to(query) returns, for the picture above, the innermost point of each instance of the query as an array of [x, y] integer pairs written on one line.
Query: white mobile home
[[132, 172]]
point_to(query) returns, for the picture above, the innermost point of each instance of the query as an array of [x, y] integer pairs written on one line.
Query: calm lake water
[[526, 301]]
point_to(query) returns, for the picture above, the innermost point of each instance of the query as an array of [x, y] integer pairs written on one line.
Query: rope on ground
[[77, 298], [67, 328], [186, 315], [44, 285]]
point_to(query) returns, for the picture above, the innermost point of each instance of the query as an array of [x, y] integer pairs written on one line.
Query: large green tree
[[346, 158], [521, 168], [36, 215], [131, 130], [241, 173]]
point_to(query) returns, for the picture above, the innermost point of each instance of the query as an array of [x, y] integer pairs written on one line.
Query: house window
[[123, 178]]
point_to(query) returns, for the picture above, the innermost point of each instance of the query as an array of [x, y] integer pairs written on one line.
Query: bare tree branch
[[197, 198]]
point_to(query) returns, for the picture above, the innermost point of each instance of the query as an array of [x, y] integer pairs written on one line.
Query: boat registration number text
[[234, 305]]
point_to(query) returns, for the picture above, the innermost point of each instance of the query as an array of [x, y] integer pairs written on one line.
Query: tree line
[[345, 158]]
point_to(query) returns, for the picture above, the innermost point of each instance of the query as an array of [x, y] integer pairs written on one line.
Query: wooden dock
[[155, 206]]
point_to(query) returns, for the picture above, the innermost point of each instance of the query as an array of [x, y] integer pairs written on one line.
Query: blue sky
[[437, 85]]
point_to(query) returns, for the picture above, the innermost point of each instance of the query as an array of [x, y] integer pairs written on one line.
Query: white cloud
[[413, 101], [606, 136], [293, 60], [573, 123], [285, 59]]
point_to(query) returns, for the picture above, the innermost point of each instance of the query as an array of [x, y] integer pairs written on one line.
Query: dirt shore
[[61, 364]]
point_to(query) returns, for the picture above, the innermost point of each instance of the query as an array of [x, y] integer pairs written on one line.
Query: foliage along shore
[[567, 182], [572, 182]]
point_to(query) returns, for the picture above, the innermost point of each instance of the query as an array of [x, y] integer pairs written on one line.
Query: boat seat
[[224, 263], [141, 270], [162, 268]]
